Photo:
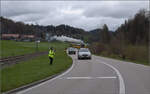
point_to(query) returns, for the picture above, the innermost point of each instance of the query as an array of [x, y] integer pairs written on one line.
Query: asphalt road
[[97, 76]]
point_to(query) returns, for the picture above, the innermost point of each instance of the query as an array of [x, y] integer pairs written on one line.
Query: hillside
[[128, 42], [10, 27]]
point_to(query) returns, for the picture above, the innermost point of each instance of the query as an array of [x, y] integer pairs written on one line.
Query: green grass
[[36, 69], [143, 62], [13, 48]]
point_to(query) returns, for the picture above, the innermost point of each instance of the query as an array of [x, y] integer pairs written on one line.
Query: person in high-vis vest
[[51, 55]]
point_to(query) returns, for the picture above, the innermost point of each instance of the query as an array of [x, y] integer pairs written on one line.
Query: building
[[28, 36], [17, 37], [10, 36]]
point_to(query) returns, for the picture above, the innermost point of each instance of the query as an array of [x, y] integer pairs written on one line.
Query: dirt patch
[[18, 59]]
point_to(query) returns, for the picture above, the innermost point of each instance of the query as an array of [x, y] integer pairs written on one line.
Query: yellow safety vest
[[51, 54]]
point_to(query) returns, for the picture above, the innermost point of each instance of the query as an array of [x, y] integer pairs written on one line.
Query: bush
[[105, 53], [97, 48], [138, 53], [135, 53]]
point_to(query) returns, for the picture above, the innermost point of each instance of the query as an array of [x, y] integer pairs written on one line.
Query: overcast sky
[[83, 14]]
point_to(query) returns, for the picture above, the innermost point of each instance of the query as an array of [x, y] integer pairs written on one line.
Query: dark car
[[71, 50]]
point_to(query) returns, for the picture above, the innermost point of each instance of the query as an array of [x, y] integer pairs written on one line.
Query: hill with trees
[[11, 27], [129, 41]]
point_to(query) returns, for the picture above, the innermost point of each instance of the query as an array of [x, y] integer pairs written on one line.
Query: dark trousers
[[51, 60]]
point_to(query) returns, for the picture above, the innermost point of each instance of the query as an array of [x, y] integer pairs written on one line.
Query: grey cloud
[[107, 12], [83, 14], [14, 8], [118, 10], [28, 18]]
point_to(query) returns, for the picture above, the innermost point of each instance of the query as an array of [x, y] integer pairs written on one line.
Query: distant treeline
[[10, 27], [129, 41]]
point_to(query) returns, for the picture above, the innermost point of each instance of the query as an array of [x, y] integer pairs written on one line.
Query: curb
[[14, 91]]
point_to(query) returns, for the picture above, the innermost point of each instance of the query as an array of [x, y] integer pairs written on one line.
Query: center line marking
[[113, 77]]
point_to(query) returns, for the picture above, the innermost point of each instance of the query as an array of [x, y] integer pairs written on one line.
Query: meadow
[[33, 70]]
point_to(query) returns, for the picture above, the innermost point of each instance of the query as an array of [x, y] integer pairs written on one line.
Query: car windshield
[[71, 49], [83, 50]]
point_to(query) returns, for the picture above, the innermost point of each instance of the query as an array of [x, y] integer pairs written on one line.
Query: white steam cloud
[[64, 38]]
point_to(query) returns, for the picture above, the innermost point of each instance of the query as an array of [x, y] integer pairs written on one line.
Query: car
[[84, 53], [71, 50]]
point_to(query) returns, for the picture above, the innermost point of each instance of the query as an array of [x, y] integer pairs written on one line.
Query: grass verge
[[13, 48], [127, 60]]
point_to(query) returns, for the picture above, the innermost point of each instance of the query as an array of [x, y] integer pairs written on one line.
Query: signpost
[[37, 46]]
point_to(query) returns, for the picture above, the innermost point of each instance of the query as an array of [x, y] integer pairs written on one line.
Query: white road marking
[[107, 77], [121, 81], [79, 78], [21, 92], [88, 78]]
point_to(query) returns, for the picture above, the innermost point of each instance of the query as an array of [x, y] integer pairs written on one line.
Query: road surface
[[97, 76]]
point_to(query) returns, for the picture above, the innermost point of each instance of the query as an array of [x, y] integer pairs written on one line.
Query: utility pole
[[37, 45], [36, 38]]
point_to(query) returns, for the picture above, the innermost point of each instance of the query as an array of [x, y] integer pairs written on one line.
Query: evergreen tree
[[104, 35]]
